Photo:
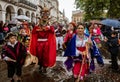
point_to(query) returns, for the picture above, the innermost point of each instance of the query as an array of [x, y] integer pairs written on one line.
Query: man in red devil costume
[[43, 43]]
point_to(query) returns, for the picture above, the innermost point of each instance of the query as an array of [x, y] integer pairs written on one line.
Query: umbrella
[[22, 17], [15, 22], [111, 22]]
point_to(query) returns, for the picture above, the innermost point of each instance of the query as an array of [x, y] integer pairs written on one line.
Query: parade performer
[[43, 41], [24, 33], [59, 37], [14, 54], [79, 55], [70, 32], [97, 35]]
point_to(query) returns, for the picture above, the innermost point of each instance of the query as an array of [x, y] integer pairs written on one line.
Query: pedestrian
[[113, 48], [97, 35], [78, 51], [43, 42], [14, 53], [1, 33], [5, 29], [59, 37]]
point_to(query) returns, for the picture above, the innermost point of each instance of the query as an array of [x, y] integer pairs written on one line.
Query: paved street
[[59, 74]]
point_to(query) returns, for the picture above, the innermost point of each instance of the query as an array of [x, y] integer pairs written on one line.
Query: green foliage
[[95, 8]]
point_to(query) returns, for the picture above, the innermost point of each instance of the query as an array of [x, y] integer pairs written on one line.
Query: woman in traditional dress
[[78, 51], [70, 32]]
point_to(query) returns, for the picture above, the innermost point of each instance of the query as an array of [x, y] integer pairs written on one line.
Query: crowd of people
[[79, 42]]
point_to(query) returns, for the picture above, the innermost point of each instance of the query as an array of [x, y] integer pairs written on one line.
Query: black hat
[[10, 35]]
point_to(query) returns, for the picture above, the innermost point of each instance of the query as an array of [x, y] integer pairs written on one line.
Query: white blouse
[[80, 43]]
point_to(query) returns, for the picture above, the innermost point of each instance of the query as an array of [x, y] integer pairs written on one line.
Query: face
[[113, 35], [71, 27], [45, 14], [44, 17], [95, 25], [12, 39], [80, 29], [25, 26]]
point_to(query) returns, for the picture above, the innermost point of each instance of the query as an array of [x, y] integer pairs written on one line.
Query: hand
[[39, 29], [105, 39], [84, 53], [46, 28], [119, 41], [10, 59], [64, 46]]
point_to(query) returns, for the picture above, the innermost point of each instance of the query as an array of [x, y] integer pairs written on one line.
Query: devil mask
[[45, 15]]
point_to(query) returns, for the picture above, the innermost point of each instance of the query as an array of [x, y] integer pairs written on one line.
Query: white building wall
[[4, 5]]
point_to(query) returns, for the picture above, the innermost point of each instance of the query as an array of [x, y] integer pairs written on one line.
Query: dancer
[[43, 42], [78, 51]]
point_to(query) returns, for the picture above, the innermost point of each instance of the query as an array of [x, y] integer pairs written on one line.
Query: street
[[59, 73]]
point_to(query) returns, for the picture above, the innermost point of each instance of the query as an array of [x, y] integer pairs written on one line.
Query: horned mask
[[45, 15]]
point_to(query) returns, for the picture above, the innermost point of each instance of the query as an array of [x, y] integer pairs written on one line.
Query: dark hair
[[9, 35], [74, 25], [114, 32], [80, 24]]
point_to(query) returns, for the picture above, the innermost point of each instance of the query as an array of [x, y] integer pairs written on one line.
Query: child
[[14, 53]]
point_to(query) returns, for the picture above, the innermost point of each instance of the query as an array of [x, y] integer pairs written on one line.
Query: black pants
[[114, 61], [14, 68]]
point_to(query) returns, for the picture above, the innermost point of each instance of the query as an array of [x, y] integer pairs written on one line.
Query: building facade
[[12, 8], [77, 16]]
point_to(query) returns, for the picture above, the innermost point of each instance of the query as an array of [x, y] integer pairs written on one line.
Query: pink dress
[[97, 34]]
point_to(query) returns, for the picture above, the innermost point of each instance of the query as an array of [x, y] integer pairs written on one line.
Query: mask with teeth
[[45, 15]]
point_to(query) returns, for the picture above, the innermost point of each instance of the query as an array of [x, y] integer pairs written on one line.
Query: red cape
[[52, 46]]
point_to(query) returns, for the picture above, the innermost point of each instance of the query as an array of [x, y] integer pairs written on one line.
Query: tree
[[95, 8]]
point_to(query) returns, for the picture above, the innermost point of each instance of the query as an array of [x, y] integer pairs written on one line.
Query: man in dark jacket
[[113, 48]]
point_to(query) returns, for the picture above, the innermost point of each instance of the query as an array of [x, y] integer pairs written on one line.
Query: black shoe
[[18, 80], [12, 80], [110, 67], [44, 70], [110, 61], [116, 70], [40, 68]]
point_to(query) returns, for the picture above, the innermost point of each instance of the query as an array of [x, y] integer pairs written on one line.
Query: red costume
[[43, 45]]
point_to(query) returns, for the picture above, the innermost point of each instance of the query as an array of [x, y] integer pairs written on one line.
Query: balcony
[[27, 4], [11, 1], [22, 3]]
